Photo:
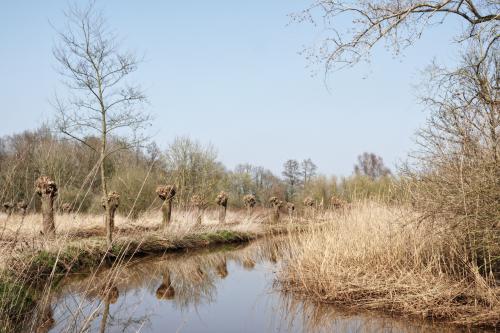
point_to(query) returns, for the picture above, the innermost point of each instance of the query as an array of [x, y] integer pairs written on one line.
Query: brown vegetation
[[66, 208], [8, 207], [21, 207]]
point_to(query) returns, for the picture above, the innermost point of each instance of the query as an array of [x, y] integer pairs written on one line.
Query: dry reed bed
[[378, 258]]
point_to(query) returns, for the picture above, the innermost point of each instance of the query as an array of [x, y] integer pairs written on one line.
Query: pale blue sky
[[230, 73]]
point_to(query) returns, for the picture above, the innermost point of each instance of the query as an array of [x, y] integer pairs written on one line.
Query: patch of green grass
[[16, 301]]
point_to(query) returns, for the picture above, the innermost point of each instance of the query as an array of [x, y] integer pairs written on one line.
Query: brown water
[[224, 289]]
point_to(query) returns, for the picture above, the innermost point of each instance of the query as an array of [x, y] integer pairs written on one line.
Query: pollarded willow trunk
[[8, 207], [309, 204], [249, 201], [166, 194], [276, 204], [200, 204], [165, 291], [46, 188], [337, 203], [290, 207], [221, 201], [110, 204], [22, 206]]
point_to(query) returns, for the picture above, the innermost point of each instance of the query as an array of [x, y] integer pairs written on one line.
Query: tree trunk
[[110, 204], [49, 228], [276, 214], [222, 213], [199, 215], [166, 210], [109, 222]]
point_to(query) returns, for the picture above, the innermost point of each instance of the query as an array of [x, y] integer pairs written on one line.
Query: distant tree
[[100, 101], [292, 175], [194, 169], [371, 165], [308, 169]]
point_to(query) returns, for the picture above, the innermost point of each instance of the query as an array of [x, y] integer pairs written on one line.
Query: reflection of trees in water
[[185, 280], [44, 317], [221, 269], [320, 317], [165, 291]]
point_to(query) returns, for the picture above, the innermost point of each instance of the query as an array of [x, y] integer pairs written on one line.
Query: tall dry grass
[[380, 258]]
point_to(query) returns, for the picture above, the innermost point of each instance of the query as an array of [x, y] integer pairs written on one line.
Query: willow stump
[[221, 201], [249, 201], [8, 207], [166, 194], [290, 207], [276, 205], [309, 204], [200, 204], [21, 207], [46, 188], [337, 203], [110, 204]]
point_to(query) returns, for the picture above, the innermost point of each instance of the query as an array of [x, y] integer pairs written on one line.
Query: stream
[[227, 288]]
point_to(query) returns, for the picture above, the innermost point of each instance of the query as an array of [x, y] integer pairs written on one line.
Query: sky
[[230, 74]]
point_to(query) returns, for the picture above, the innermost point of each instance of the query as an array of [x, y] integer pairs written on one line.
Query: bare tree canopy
[[371, 165], [292, 176], [354, 27], [308, 169], [100, 100], [464, 106]]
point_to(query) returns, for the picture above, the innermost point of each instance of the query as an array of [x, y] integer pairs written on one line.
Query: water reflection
[[226, 289], [165, 291], [45, 316]]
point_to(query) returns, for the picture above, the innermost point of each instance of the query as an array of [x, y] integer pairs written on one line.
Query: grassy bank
[[380, 258]]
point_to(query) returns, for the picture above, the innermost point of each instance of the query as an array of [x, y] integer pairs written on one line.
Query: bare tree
[[194, 168], [291, 173], [100, 101], [398, 22], [371, 165], [454, 176], [308, 169]]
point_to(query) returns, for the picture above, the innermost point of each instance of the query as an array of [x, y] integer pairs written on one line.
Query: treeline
[[191, 166]]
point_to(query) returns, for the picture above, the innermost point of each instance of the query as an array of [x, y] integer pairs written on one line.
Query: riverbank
[[380, 258]]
